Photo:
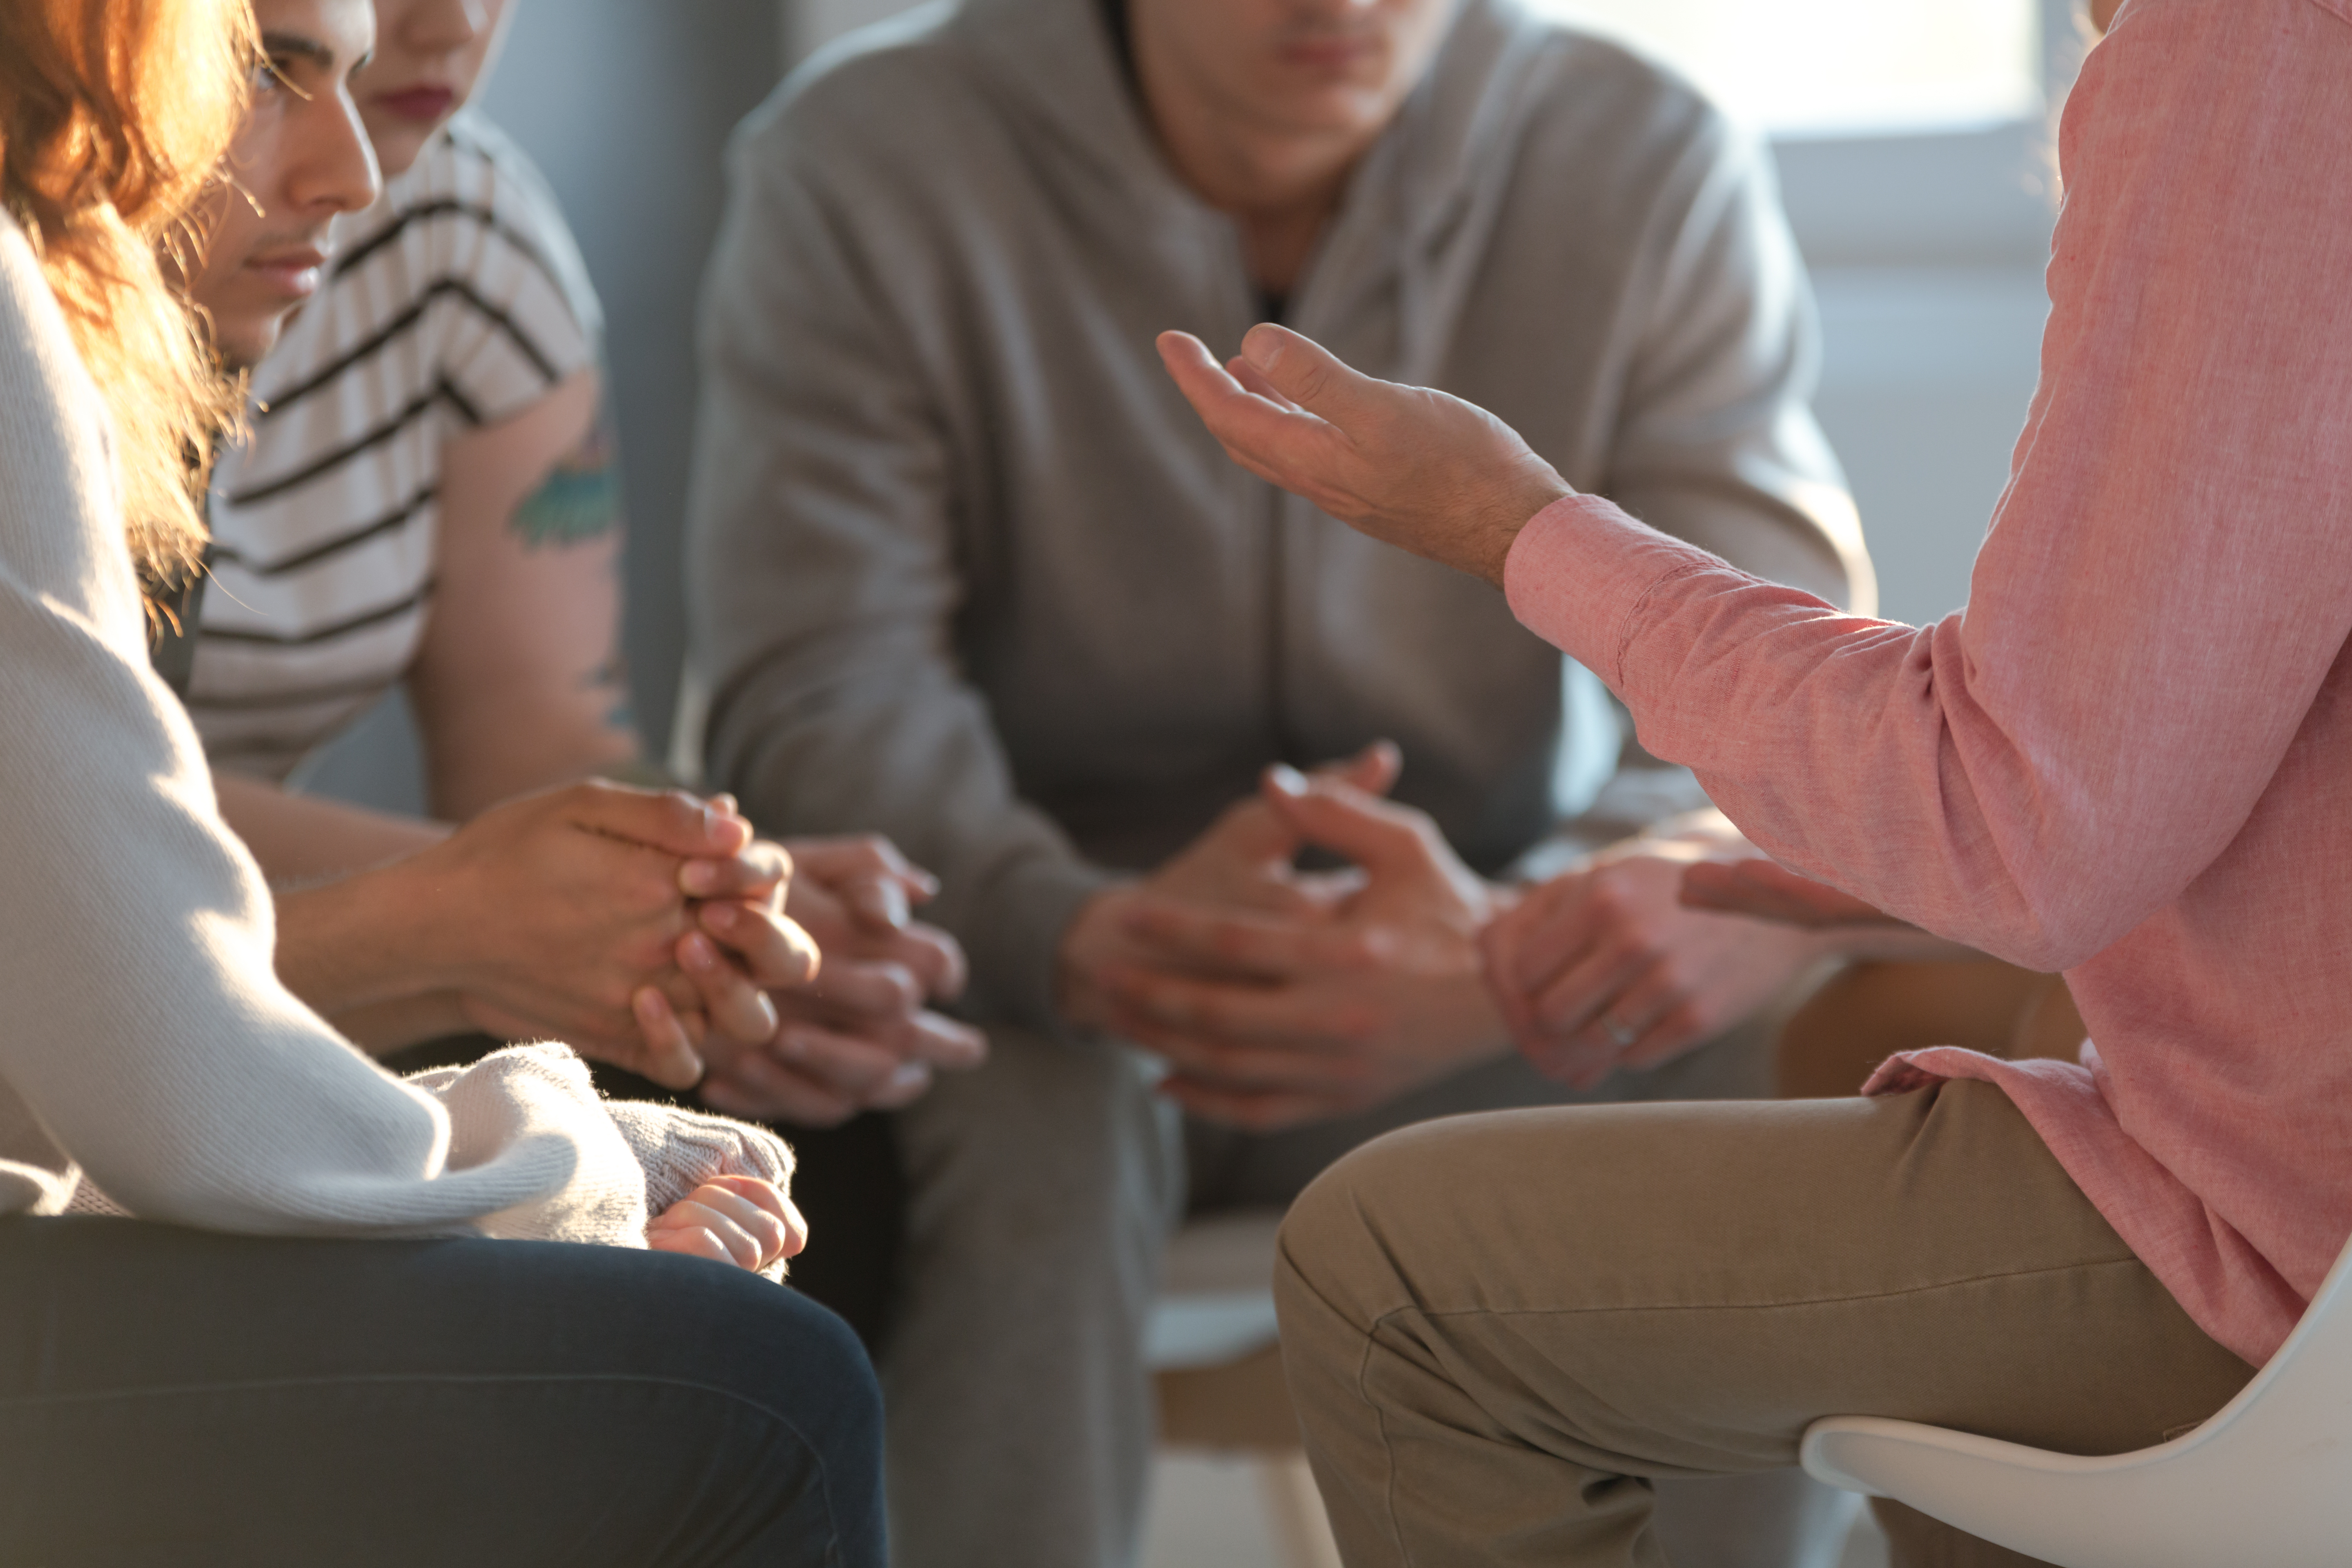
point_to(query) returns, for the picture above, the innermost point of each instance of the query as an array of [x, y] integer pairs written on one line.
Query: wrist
[[1078, 958], [383, 1027], [356, 942], [1524, 493]]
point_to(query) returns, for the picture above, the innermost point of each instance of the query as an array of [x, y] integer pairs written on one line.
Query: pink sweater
[[2130, 756]]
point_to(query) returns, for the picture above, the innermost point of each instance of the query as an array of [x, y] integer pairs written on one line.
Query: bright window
[[1840, 66]]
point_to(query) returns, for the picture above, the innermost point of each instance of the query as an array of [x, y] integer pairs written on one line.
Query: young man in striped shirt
[[428, 498]]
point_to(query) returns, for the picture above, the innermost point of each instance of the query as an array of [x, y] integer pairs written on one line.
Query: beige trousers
[[1500, 1329]]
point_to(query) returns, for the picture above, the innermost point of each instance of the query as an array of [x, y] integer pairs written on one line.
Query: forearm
[[349, 941], [490, 762], [360, 950], [299, 837], [383, 1028]]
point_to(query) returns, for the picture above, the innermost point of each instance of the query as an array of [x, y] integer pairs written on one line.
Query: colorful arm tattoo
[[580, 500]]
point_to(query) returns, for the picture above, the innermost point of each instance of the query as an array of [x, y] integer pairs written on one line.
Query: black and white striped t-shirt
[[456, 300]]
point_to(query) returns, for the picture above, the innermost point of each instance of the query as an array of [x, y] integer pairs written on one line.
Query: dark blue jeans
[[174, 1396]]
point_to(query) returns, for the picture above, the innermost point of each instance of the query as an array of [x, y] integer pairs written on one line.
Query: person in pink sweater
[[2129, 759]]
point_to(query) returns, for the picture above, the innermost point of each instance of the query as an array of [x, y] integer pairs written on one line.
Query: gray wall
[[625, 105]]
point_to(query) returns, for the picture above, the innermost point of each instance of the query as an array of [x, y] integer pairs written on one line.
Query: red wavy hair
[[114, 116]]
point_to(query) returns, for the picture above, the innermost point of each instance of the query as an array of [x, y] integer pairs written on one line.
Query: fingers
[[751, 1220], [1579, 992], [1554, 925], [772, 1197], [1378, 835], [814, 1076], [1639, 1012], [671, 821], [735, 1006], [755, 874], [1248, 832], [1243, 944], [1309, 375], [670, 1058], [758, 1090], [947, 1043], [1253, 380], [882, 1003], [933, 958], [773, 951], [868, 874], [1196, 1013], [1274, 440]]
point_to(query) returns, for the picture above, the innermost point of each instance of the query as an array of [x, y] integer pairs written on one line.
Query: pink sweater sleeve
[[2167, 580]]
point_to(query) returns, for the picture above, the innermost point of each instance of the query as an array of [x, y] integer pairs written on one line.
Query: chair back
[[2266, 1480]]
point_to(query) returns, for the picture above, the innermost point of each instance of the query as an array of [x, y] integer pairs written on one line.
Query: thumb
[[1311, 375], [1328, 812], [1250, 832]]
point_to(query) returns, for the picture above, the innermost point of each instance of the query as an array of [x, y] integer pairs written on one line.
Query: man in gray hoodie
[[964, 568]]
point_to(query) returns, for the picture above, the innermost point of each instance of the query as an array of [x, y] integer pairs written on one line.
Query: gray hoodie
[[963, 567]]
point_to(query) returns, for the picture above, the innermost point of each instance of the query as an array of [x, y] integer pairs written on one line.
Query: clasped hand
[[1277, 996], [1608, 966], [657, 932], [859, 1036]]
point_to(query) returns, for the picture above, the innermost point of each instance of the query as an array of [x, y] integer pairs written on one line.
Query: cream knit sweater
[[146, 1046]]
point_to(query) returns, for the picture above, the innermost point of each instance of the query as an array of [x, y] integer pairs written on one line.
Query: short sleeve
[[514, 310]]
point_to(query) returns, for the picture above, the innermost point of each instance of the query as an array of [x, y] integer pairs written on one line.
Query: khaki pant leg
[[1766, 1519], [1500, 1330]]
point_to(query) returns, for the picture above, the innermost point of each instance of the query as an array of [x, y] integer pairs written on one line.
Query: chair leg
[[1302, 1531]]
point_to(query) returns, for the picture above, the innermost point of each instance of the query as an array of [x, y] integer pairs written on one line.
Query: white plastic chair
[[2267, 1481]]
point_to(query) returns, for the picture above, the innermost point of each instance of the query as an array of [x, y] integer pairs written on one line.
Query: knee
[[805, 1363], [770, 1350], [1334, 1256]]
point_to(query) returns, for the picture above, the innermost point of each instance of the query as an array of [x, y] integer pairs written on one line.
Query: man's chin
[[241, 343]]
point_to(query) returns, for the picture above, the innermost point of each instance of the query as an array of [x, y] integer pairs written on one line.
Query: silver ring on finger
[[1624, 1035]]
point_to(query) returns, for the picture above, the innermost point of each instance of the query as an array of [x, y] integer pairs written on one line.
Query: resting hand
[[1415, 467], [1267, 1020], [855, 896], [1604, 966], [741, 1220], [1246, 859], [856, 1037]]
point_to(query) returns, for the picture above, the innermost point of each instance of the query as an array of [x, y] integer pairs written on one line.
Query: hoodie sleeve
[[822, 582]]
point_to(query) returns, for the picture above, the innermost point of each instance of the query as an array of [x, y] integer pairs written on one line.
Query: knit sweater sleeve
[[147, 1039]]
